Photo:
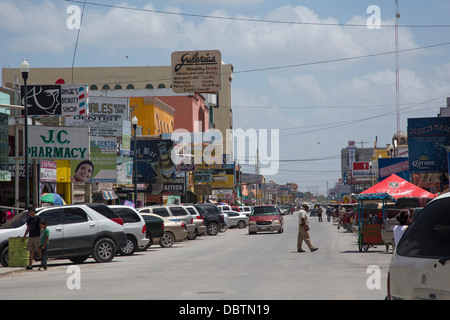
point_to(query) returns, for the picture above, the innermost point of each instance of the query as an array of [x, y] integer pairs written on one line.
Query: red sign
[[361, 166]]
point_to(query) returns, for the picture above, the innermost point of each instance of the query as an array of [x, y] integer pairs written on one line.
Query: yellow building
[[154, 116]]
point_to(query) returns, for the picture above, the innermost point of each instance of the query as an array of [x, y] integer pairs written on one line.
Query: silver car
[[200, 227], [173, 212], [420, 265], [134, 228], [237, 219]]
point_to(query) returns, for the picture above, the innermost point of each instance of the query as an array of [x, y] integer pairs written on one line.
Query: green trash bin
[[17, 252]]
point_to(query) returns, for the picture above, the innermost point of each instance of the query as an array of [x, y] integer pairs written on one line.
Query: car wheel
[[212, 229], [241, 224], [78, 260], [167, 240], [104, 250], [4, 257], [192, 235], [130, 248]]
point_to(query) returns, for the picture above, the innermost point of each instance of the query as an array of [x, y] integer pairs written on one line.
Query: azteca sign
[[69, 143]]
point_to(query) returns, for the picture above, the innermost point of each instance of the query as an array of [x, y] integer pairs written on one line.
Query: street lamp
[[134, 122], [25, 68]]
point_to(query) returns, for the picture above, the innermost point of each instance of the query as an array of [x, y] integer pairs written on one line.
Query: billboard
[[68, 143], [428, 144], [106, 117], [55, 99], [196, 71]]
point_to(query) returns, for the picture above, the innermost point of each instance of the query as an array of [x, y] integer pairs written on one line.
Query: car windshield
[[17, 221], [264, 211]]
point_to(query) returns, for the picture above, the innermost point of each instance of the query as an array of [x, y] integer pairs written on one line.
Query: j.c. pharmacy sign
[[68, 143]]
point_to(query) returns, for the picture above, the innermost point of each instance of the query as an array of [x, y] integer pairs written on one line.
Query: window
[[93, 87], [148, 86], [74, 215], [429, 234], [117, 87], [105, 87], [161, 212], [178, 211], [145, 211], [161, 85], [130, 86], [51, 217], [127, 215]]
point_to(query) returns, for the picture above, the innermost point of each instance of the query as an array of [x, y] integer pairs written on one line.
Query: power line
[[253, 19]]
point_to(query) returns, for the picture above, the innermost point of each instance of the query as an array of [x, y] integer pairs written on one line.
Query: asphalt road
[[230, 266]]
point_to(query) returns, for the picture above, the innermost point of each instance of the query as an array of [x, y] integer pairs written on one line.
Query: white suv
[[134, 228], [173, 212], [420, 265], [76, 232]]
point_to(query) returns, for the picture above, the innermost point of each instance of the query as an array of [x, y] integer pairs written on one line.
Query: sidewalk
[[10, 271]]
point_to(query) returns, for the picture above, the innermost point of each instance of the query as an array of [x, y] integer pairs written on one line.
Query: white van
[[420, 265]]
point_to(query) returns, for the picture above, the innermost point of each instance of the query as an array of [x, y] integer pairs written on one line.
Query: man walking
[[303, 228]]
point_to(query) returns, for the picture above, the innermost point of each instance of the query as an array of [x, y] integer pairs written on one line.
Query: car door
[[79, 231], [54, 224]]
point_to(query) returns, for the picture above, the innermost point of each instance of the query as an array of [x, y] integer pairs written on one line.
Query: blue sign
[[428, 139]]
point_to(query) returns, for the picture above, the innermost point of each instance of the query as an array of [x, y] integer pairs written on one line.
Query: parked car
[[246, 209], [213, 218], [419, 268], [173, 212], [76, 232], [200, 227], [266, 218], [155, 229], [134, 228], [174, 231], [224, 207], [237, 219], [285, 209]]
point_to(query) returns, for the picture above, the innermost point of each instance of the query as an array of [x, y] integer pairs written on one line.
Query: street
[[230, 266]]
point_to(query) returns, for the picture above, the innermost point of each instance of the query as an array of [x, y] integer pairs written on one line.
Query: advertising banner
[[196, 71], [105, 117], [389, 166], [154, 162], [68, 143], [428, 142], [102, 165], [55, 100]]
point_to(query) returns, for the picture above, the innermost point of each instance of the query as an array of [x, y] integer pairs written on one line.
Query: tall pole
[[397, 70], [135, 122], [24, 68]]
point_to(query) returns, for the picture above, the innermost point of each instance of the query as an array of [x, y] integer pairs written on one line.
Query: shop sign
[[68, 143], [196, 71]]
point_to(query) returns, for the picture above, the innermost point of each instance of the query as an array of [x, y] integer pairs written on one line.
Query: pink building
[[191, 113]]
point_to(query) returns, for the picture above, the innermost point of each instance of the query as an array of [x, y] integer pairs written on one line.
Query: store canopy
[[398, 188], [109, 195]]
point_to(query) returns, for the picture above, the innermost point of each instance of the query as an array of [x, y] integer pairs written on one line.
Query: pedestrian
[[319, 213], [43, 243], [303, 228], [34, 232], [328, 212], [404, 220]]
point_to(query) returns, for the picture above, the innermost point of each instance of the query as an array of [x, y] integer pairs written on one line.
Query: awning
[[109, 195]]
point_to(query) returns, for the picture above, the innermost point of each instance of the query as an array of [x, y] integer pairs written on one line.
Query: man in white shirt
[[303, 228]]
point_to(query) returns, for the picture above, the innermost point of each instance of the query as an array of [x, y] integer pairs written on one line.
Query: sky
[[321, 72]]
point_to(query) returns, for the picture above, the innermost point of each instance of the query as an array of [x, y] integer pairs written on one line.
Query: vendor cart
[[369, 222]]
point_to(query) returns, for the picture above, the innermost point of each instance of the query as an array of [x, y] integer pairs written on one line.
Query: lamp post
[[25, 68], [134, 122]]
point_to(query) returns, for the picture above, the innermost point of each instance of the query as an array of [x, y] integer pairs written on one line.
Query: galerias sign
[[69, 143]]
